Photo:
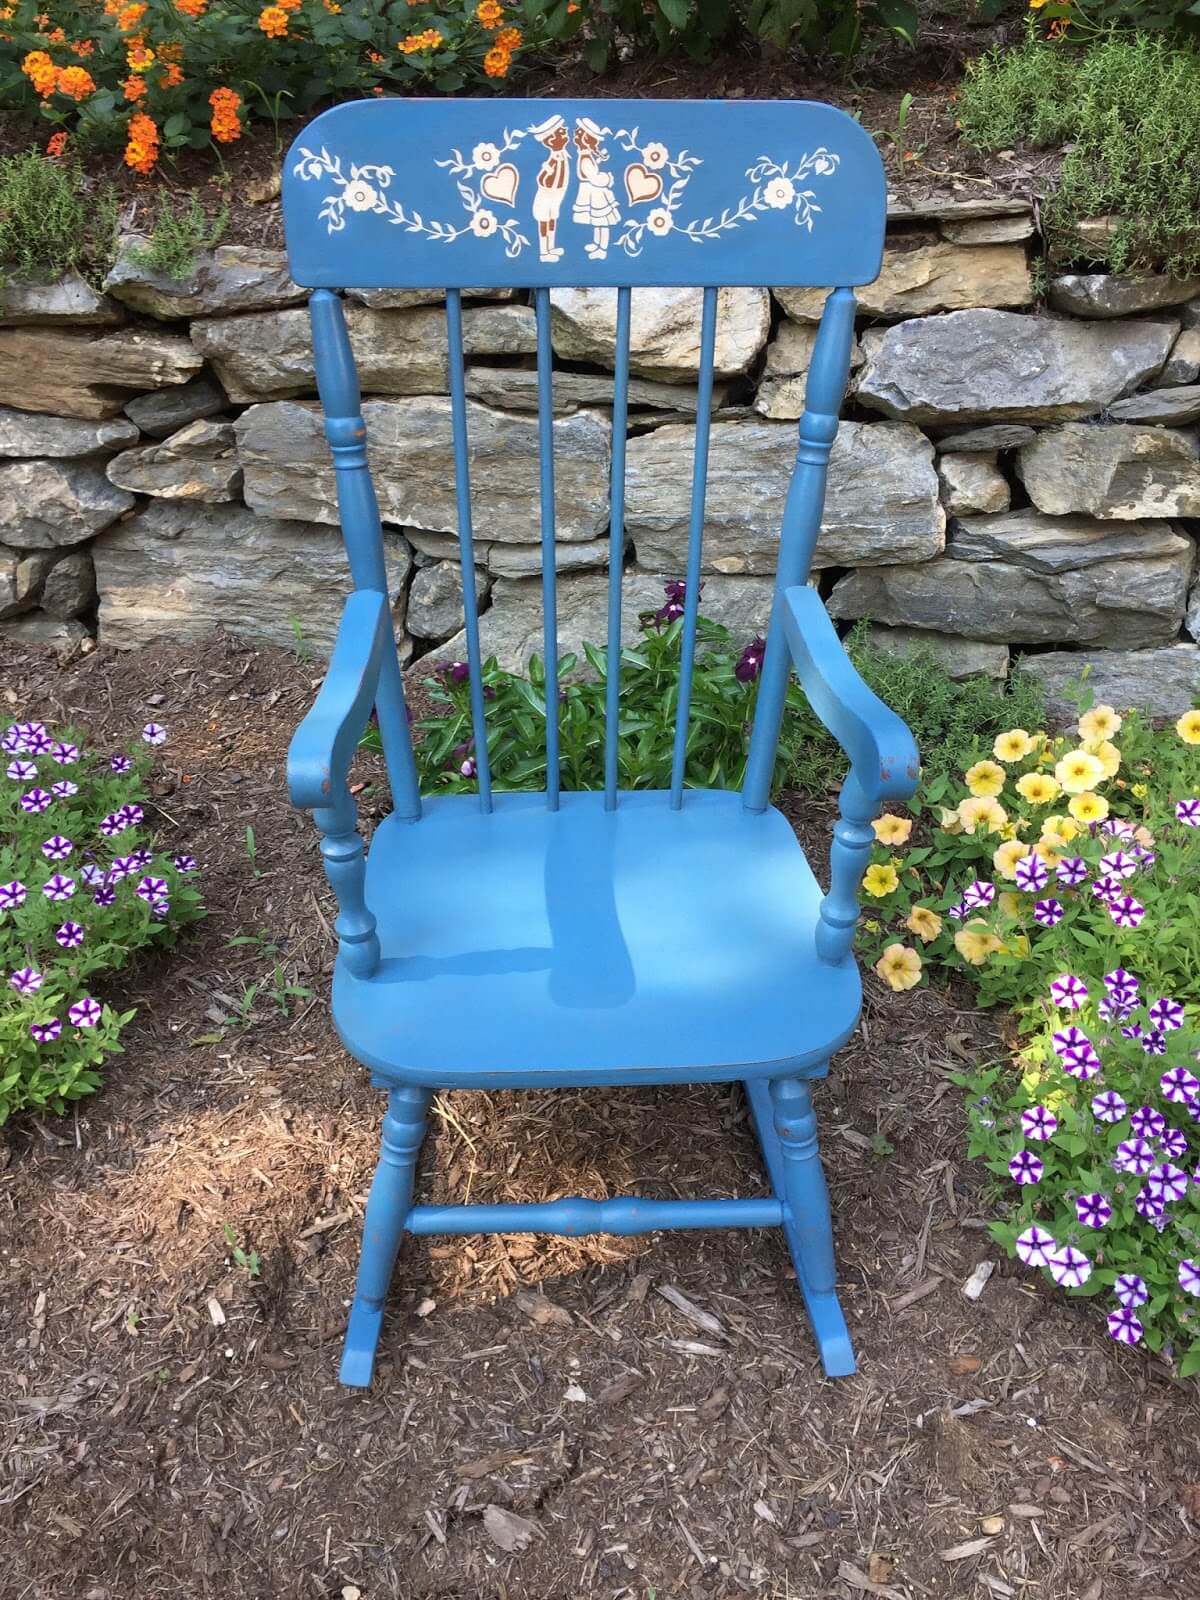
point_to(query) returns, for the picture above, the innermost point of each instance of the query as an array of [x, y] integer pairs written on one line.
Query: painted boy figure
[[551, 190], [594, 205]]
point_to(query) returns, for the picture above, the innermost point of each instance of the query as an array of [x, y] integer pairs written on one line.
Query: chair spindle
[[545, 389], [342, 852], [616, 551]]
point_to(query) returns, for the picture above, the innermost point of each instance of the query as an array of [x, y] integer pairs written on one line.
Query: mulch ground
[[647, 1418]]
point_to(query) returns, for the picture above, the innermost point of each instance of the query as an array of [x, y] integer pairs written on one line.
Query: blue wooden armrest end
[[323, 746], [883, 754]]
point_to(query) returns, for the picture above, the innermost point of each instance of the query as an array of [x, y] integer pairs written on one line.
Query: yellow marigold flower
[[949, 821], [985, 778], [495, 63], [879, 880], [926, 924], [77, 82], [981, 811], [1139, 791], [899, 966], [1088, 807], [975, 944], [1039, 788], [1005, 858], [1014, 745], [1098, 724], [1079, 770], [273, 21], [1188, 727], [892, 830]]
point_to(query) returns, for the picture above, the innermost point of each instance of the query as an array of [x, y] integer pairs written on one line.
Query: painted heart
[[641, 184], [501, 184]]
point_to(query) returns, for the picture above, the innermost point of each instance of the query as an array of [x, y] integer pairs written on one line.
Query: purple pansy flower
[[1031, 874], [45, 1032], [22, 771], [1070, 1268], [1168, 1182], [1093, 1210], [1131, 1290], [104, 897], [58, 887], [26, 981], [1174, 1143], [184, 863], [1038, 1123], [1125, 911], [154, 733], [1071, 870], [85, 1013], [1177, 1084], [456, 671], [1048, 912], [1147, 1123], [64, 789], [1134, 1155], [1189, 1277], [1124, 1326], [64, 753], [70, 935], [1108, 1107], [58, 847], [1166, 1014], [12, 895], [152, 888], [1149, 1204], [1068, 991], [1035, 1246], [1025, 1167], [36, 801], [1188, 812], [1154, 1042]]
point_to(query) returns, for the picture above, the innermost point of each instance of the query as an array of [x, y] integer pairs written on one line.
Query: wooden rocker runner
[[517, 940]]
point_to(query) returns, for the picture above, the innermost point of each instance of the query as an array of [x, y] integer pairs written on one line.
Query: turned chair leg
[[383, 1227], [808, 1225]]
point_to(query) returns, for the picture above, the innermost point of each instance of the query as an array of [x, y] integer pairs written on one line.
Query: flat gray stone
[[164, 411], [1189, 314], [288, 472], [1105, 294], [971, 481], [998, 366], [1160, 682], [24, 434], [197, 463], [69, 587], [405, 299], [950, 206], [68, 299], [1118, 471], [923, 273], [1183, 364], [959, 658], [987, 230], [664, 329], [39, 628], [1191, 621], [1160, 406], [1003, 436], [881, 503], [47, 503], [1020, 578], [268, 355], [780, 393], [515, 389], [73, 373], [502, 559], [233, 277], [435, 600], [22, 573], [178, 571]]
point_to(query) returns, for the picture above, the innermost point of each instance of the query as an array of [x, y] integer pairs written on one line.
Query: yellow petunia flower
[[899, 966], [1188, 727], [1014, 745], [949, 821], [926, 924], [1079, 770], [1009, 903], [1098, 724], [879, 880], [1088, 807], [985, 778], [981, 811], [1039, 788], [892, 830], [1047, 852], [1108, 756], [975, 944], [1006, 857]]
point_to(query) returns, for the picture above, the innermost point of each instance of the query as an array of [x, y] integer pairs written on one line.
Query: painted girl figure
[[551, 190], [594, 205]]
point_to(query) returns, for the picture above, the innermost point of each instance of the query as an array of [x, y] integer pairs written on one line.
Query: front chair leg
[[807, 1224], [383, 1227]]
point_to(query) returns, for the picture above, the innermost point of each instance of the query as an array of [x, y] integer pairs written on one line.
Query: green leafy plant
[[1127, 109], [248, 1260], [179, 231], [51, 222], [73, 908]]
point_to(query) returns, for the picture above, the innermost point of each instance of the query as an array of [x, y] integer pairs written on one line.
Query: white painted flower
[[824, 164], [359, 195], [654, 155], [659, 221], [483, 223], [485, 157], [779, 192]]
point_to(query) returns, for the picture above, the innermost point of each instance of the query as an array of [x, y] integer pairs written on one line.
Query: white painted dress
[[594, 205]]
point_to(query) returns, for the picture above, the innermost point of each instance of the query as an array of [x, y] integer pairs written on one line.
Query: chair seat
[[639, 945]]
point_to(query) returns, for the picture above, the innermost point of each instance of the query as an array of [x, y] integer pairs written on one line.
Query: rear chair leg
[[808, 1226], [383, 1227]]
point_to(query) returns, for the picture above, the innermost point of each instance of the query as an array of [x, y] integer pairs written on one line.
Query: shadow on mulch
[[172, 1427]]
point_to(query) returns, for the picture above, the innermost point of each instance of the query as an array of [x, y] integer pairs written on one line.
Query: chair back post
[[337, 385], [823, 392]]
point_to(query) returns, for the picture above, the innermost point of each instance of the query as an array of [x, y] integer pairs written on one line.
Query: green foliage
[[179, 232], [50, 223], [75, 910], [1127, 107]]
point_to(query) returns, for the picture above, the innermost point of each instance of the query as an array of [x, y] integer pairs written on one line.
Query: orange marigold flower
[[170, 50], [288, 5], [57, 37], [226, 124], [41, 72], [495, 63], [134, 87], [508, 39], [141, 150], [129, 17], [490, 14], [191, 8], [274, 22], [139, 57], [429, 40], [76, 82], [374, 58], [56, 144], [82, 47], [172, 77]]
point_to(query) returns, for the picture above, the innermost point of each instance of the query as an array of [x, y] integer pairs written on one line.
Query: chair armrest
[[323, 746], [883, 754]]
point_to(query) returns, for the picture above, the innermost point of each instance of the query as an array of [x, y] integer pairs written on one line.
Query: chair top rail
[[427, 194]]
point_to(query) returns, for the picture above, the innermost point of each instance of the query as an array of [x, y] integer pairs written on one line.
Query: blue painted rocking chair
[[511, 940]]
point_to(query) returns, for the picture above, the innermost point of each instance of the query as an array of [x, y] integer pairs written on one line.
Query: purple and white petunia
[[45, 1032], [1116, 829], [958, 911], [1113, 1010], [1070, 1038], [1031, 874], [1154, 1042], [1147, 1123], [70, 935], [139, 860], [1071, 870], [1025, 1167], [1108, 1107], [154, 733], [1188, 812], [91, 874], [1145, 858], [22, 771], [1093, 1210], [1132, 1031], [1131, 1290], [152, 889], [1122, 986], [85, 1013], [12, 742], [1118, 864], [26, 981], [1107, 888], [1068, 991], [120, 763], [39, 742], [131, 815], [184, 863], [12, 895], [1166, 1014], [978, 895], [1168, 1182], [1036, 1247], [58, 887], [1125, 911], [63, 752], [1124, 1326], [1134, 1155], [112, 824], [36, 801], [1070, 1268], [29, 730], [64, 789], [1038, 1123], [58, 847], [1048, 913], [104, 897], [1189, 1277], [1174, 1144], [1082, 1063], [1149, 1204], [1177, 1084]]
